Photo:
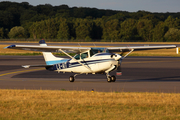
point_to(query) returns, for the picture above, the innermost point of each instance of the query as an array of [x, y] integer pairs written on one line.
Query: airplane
[[88, 60]]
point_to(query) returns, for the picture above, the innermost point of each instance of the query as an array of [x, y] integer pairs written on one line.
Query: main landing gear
[[111, 78], [71, 79]]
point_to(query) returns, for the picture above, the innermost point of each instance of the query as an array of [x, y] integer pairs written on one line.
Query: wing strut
[[128, 53], [76, 60]]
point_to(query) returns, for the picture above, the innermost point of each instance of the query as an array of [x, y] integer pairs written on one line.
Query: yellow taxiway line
[[20, 71]]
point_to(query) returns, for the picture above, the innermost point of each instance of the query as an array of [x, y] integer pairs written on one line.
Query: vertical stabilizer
[[49, 58]]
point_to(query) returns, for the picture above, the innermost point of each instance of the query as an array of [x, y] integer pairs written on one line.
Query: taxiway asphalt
[[140, 74]]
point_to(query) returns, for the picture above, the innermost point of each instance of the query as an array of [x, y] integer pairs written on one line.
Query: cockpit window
[[94, 51], [84, 55], [77, 56]]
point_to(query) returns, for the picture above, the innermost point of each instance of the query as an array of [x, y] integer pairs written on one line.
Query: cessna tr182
[[88, 60]]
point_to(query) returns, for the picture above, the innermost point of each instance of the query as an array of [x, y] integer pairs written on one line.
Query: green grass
[[80, 105]]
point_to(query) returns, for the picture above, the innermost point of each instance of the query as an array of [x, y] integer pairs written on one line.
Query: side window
[[77, 56], [84, 55], [91, 53]]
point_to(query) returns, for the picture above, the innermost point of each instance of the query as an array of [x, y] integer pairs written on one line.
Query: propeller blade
[[118, 72]]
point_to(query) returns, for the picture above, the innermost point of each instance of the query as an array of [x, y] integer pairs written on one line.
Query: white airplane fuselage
[[98, 63]]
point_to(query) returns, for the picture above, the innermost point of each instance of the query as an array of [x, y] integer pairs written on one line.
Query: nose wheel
[[113, 78]]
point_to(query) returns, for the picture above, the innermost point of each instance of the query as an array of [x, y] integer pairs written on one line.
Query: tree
[[44, 21], [64, 32], [45, 29], [97, 29], [111, 30], [170, 22], [17, 32], [128, 30], [1, 33], [145, 29], [159, 32], [172, 34], [51, 28], [6, 19], [28, 16], [83, 29]]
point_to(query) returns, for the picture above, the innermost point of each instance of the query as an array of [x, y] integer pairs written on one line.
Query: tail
[[49, 58]]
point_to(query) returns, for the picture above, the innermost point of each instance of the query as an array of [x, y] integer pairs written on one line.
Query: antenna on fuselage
[[94, 45], [79, 44]]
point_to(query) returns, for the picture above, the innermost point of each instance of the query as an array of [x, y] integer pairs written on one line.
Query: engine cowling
[[116, 56]]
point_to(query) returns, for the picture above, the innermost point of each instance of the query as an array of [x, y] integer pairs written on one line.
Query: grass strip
[[52, 104]]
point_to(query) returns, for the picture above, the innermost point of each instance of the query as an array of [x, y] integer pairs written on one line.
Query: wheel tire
[[109, 79], [71, 78], [113, 78]]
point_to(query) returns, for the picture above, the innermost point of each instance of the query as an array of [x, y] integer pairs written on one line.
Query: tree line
[[62, 23]]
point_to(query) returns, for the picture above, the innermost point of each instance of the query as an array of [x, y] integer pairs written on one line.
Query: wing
[[137, 48], [49, 48], [83, 49]]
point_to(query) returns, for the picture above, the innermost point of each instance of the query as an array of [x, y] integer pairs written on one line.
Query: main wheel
[[113, 78], [109, 79], [71, 78]]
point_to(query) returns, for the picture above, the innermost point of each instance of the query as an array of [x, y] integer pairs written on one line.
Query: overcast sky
[[124, 5]]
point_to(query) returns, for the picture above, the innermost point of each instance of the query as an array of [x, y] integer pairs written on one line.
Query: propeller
[[119, 58], [119, 72]]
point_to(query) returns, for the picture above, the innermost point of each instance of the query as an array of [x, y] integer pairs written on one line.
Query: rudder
[[49, 58]]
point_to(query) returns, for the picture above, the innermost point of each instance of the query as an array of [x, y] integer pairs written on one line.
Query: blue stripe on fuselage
[[56, 62], [75, 64], [67, 64]]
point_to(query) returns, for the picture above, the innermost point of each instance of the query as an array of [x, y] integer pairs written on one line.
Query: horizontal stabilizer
[[28, 66]]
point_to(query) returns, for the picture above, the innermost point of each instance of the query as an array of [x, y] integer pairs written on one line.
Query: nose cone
[[117, 56]]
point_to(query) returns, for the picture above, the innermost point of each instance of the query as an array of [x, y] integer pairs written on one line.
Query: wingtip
[[11, 46], [42, 41]]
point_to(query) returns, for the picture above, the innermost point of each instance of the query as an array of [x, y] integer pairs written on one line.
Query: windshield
[[98, 50]]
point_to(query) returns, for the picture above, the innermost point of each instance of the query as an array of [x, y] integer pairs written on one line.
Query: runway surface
[[140, 74]]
